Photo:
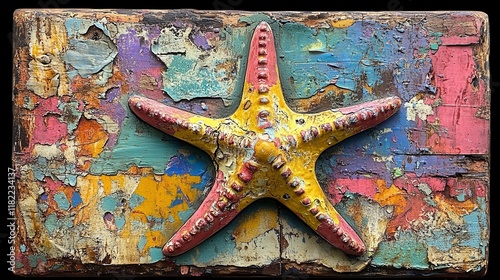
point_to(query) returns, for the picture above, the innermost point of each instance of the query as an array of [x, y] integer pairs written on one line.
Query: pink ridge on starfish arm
[[285, 147]]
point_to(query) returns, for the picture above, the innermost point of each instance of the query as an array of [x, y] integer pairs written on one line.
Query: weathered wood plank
[[101, 192]]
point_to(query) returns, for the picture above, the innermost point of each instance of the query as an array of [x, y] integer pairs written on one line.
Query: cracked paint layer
[[100, 191]]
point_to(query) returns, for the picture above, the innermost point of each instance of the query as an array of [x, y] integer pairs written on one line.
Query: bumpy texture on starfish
[[265, 150]]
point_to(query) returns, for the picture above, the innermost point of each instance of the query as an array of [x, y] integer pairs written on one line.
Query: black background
[[310, 5]]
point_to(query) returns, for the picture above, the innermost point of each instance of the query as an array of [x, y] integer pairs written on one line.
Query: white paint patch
[[49, 152], [417, 108]]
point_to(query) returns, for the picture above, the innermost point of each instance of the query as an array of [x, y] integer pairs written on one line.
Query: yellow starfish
[[265, 150]]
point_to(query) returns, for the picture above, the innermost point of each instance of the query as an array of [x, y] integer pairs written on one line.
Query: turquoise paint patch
[[142, 242], [156, 224], [407, 251], [56, 266], [109, 203], [120, 222], [155, 254], [51, 223], [184, 215], [156, 148], [217, 82], [19, 264], [135, 200], [35, 259], [476, 224], [71, 115], [61, 200], [22, 247], [217, 75], [88, 55], [63, 172]]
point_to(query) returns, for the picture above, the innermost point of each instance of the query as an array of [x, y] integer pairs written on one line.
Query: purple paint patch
[[135, 59], [200, 41]]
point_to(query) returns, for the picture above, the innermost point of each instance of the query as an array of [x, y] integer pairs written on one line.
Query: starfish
[[265, 150]]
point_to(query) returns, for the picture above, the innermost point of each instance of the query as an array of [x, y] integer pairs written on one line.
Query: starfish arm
[[194, 129], [216, 211], [325, 129], [310, 204]]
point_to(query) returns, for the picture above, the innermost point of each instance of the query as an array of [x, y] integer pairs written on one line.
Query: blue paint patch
[[155, 254], [61, 200], [76, 199], [22, 247], [200, 41], [193, 164], [142, 242], [178, 199], [44, 196]]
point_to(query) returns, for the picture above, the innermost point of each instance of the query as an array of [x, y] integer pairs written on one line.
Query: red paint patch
[[466, 187]]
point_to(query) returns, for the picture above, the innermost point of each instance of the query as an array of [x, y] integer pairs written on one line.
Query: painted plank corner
[[99, 190]]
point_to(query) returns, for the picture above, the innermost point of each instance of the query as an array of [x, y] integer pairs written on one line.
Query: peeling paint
[[100, 190], [417, 108]]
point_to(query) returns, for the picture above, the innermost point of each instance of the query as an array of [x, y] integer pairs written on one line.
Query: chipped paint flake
[[417, 108]]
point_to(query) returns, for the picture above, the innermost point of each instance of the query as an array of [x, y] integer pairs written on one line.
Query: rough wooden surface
[[100, 192]]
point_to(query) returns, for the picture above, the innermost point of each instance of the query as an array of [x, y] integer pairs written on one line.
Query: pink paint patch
[[52, 185], [455, 128], [262, 65], [364, 186], [49, 129]]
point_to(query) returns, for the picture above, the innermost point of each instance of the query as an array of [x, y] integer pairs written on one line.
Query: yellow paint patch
[[342, 23], [48, 42], [153, 215], [392, 196], [159, 194], [251, 226]]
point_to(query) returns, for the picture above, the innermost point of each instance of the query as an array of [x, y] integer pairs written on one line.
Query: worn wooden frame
[[100, 192]]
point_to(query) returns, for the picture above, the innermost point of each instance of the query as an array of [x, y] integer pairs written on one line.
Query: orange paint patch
[[90, 137], [392, 196]]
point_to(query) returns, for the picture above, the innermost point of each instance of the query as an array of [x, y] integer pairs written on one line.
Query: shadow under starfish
[[265, 150]]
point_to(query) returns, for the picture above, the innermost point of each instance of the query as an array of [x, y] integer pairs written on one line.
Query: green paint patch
[[397, 172]]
